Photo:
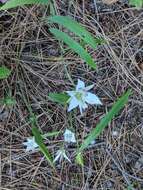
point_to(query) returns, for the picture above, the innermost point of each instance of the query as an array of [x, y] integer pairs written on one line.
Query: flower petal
[[31, 145], [58, 155], [80, 108], [84, 106], [69, 136], [92, 99], [71, 93], [89, 87], [73, 103], [65, 156], [80, 85]]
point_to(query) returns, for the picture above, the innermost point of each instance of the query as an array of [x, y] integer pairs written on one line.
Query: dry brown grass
[[39, 67]]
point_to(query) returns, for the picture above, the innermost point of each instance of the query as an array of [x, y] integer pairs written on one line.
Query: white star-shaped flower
[[60, 155], [69, 136], [31, 145], [81, 97]]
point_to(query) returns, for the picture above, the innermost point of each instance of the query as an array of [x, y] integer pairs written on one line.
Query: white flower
[[80, 97], [115, 133], [31, 144], [60, 155], [69, 136], [93, 142]]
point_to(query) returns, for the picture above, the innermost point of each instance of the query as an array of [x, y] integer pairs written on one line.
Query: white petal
[[84, 106], [71, 93], [80, 108], [65, 156], [34, 142], [93, 142], [80, 85], [58, 155], [69, 136], [73, 140], [30, 149], [73, 103], [92, 99], [115, 133], [25, 143], [89, 87], [31, 144]]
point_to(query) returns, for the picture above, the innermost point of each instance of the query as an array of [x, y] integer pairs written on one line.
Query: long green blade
[[137, 3], [51, 134], [74, 45], [76, 28], [39, 141], [14, 3], [104, 122]]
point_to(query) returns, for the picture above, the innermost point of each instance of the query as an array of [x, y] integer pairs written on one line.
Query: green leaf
[[33, 119], [39, 141], [79, 159], [9, 101], [74, 45], [76, 28], [14, 3], [104, 122], [4, 72], [137, 3], [130, 187], [61, 98], [51, 134]]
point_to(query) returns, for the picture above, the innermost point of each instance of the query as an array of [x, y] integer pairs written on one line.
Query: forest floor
[[39, 66]]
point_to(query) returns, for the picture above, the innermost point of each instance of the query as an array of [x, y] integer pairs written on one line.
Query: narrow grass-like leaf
[[76, 28], [104, 122], [61, 98], [79, 159], [42, 147], [14, 3], [74, 46], [51, 134], [137, 3], [4, 72], [33, 119]]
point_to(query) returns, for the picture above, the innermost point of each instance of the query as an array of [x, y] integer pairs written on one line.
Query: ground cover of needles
[[39, 66]]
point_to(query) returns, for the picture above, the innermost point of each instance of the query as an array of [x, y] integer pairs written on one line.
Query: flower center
[[79, 95]]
